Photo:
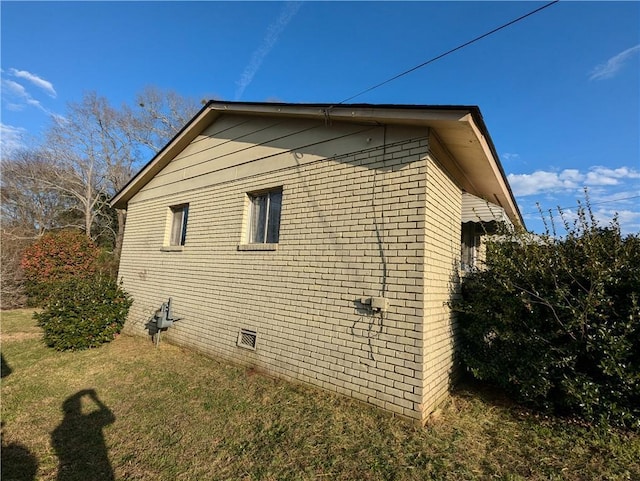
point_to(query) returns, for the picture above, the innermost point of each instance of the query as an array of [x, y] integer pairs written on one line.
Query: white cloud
[[629, 220], [606, 176], [544, 182], [14, 94], [571, 175], [11, 139], [625, 216], [35, 80], [15, 88], [13, 106], [273, 32], [612, 66], [541, 181], [509, 156]]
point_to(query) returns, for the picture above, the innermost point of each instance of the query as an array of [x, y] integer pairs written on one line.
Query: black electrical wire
[[590, 203], [406, 72]]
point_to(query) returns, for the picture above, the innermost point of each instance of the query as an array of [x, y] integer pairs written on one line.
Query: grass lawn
[[130, 411]]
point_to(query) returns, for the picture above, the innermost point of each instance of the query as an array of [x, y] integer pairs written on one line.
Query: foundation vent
[[247, 339]]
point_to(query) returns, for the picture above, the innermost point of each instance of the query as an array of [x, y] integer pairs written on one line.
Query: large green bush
[[556, 321], [83, 313]]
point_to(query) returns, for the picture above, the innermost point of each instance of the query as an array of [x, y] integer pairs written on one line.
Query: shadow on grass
[[469, 387], [17, 462], [6, 369], [487, 396], [78, 440]]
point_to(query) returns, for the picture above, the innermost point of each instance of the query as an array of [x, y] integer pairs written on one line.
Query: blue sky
[[559, 91]]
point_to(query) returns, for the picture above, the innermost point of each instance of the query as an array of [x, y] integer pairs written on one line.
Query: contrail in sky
[[611, 67], [270, 39]]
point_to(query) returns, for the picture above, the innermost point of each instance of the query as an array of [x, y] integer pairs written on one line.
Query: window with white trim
[[264, 217], [179, 216]]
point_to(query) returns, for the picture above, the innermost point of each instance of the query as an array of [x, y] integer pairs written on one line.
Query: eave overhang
[[460, 128]]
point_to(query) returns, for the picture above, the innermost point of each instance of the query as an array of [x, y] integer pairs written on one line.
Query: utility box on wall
[[164, 316]]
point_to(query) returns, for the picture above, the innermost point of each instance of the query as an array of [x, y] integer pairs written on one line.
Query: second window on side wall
[[470, 242], [179, 214], [264, 217]]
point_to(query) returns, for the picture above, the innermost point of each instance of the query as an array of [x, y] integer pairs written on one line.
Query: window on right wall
[[469, 243], [264, 217], [179, 215]]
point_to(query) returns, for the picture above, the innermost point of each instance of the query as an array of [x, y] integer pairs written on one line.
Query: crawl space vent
[[247, 339]]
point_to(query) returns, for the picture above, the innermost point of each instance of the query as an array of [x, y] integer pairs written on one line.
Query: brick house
[[317, 243]]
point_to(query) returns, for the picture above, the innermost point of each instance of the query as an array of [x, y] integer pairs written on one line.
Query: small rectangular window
[[179, 215], [470, 243], [264, 217]]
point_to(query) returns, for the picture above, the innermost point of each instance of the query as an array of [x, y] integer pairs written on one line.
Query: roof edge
[[479, 119], [117, 200], [399, 113]]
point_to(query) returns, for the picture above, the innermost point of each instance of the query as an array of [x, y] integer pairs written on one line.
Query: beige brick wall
[[442, 257], [361, 210]]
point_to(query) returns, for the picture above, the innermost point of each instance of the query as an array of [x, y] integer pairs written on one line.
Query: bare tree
[[96, 148], [157, 116], [29, 207], [12, 292], [94, 154], [30, 200], [86, 157]]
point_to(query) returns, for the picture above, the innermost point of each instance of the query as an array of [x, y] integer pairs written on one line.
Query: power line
[[406, 72], [590, 203]]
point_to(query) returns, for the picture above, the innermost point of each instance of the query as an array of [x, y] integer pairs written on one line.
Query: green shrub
[[83, 313], [556, 321]]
